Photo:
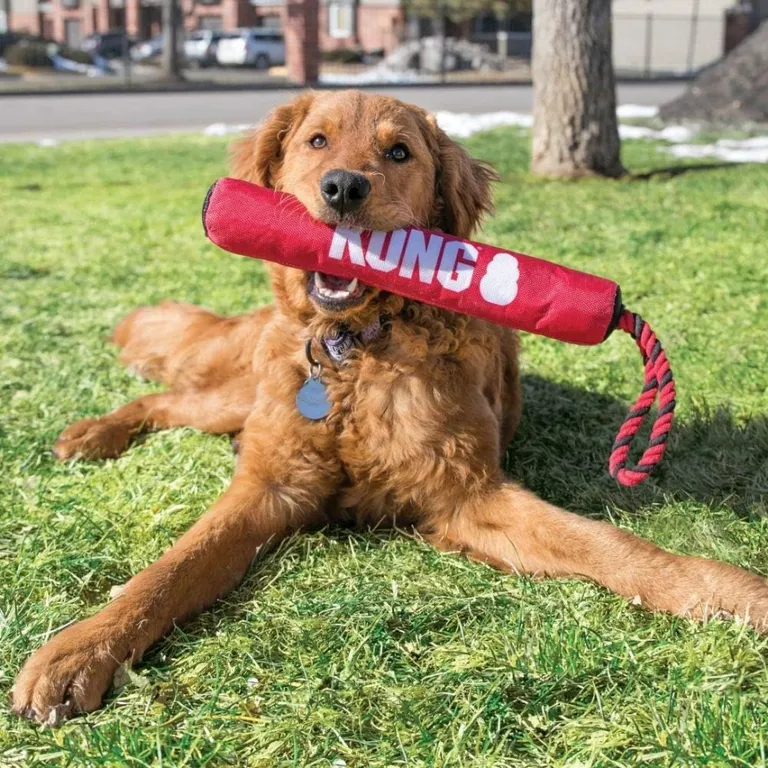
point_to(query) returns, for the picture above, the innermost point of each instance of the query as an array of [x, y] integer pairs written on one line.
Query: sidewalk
[[141, 79], [146, 80]]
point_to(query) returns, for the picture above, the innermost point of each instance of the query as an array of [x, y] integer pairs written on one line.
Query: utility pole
[[5, 15], [171, 66]]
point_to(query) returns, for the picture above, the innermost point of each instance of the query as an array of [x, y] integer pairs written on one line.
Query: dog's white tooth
[[334, 293]]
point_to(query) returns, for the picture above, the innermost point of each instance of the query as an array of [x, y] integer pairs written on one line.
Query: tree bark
[[171, 66], [575, 132]]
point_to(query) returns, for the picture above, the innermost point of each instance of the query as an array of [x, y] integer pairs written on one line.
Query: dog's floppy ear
[[257, 156], [463, 193]]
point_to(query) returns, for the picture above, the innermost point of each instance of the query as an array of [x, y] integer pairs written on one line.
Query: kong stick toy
[[458, 275]]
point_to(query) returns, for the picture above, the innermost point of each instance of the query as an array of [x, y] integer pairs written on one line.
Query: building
[[31, 17], [652, 36], [372, 25]]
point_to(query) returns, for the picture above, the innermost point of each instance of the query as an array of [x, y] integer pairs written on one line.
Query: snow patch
[[631, 111], [61, 64], [225, 129], [463, 125], [756, 142], [381, 74], [672, 133], [753, 150], [677, 133]]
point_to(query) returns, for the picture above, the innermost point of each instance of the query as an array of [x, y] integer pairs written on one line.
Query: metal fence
[[645, 45], [655, 44]]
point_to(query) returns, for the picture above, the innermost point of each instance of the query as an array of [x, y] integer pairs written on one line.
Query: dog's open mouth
[[335, 293]]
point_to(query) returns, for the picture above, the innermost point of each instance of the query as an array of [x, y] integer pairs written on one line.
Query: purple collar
[[343, 341]]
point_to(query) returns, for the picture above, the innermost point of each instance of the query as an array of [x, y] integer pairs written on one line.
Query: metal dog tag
[[312, 399]]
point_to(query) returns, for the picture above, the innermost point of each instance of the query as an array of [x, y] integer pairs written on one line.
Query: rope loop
[[659, 384]]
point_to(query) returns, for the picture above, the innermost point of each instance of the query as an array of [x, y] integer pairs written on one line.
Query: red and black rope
[[659, 383]]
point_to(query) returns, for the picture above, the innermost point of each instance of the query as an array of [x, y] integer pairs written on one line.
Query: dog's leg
[[512, 529], [219, 410], [272, 494], [188, 347]]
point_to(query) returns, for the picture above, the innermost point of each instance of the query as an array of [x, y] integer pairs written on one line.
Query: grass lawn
[[374, 650]]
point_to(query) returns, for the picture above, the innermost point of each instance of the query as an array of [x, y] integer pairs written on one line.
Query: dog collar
[[312, 400], [339, 345]]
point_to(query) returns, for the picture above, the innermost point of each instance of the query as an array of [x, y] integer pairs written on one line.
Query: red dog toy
[[458, 275]]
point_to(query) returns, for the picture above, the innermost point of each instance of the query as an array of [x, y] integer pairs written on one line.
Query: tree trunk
[[171, 67], [575, 132]]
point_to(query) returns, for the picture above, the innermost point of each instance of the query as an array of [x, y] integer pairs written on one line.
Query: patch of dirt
[[733, 91]]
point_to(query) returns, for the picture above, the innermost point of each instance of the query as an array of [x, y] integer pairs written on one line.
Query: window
[[72, 33], [211, 22], [341, 19], [273, 21], [488, 24], [485, 24]]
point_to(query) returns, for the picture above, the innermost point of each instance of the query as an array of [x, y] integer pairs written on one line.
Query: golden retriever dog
[[422, 405]]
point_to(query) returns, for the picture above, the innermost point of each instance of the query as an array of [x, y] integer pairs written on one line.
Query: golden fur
[[420, 417]]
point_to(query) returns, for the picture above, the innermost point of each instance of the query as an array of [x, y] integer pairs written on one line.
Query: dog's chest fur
[[405, 427], [421, 409]]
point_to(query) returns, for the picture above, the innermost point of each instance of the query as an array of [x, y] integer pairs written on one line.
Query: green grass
[[373, 649]]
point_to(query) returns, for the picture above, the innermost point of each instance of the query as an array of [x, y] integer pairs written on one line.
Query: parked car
[[107, 45], [200, 46], [258, 47], [147, 49], [7, 39]]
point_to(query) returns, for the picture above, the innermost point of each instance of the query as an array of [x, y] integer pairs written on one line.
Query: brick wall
[[301, 40], [25, 22], [378, 27]]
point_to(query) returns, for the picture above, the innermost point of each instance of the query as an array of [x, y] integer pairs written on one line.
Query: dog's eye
[[318, 141], [399, 153]]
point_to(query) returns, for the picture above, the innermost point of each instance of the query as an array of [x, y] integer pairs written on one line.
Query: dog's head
[[365, 161]]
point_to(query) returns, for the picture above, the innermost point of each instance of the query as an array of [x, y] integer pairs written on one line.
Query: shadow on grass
[[561, 452], [670, 172]]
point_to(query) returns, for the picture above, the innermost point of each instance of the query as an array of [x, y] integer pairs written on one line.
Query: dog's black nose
[[344, 190]]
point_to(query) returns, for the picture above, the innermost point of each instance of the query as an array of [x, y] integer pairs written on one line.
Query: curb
[[286, 86]]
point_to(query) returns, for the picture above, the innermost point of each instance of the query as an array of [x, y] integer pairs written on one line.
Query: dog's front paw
[[67, 676], [92, 439]]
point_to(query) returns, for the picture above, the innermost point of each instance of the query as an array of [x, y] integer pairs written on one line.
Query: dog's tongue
[[335, 283]]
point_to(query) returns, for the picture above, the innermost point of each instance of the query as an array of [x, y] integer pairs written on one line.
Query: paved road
[[34, 118]]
